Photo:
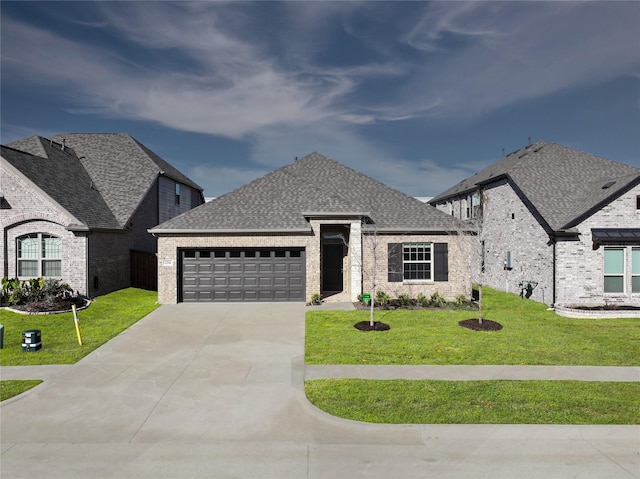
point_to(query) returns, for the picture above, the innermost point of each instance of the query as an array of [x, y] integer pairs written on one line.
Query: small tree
[[470, 232]]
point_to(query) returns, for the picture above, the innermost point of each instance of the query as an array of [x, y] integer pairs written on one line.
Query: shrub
[[382, 298], [316, 299], [437, 300], [461, 300], [38, 294], [406, 300], [422, 300]]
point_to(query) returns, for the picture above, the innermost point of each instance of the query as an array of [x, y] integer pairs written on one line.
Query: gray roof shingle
[[61, 176], [564, 185], [314, 184], [100, 178], [122, 169]]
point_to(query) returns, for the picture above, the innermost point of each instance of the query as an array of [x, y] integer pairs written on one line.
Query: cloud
[[295, 77], [492, 54]]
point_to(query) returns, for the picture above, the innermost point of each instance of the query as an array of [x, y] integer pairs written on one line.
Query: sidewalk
[[469, 373], [446, 373]]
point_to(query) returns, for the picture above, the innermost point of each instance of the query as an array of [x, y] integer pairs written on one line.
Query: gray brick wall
[[109, 262], [508, 225], [580, 275]]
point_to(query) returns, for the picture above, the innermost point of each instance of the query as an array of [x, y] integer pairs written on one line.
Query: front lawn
[[106, 317], [477, 402], [11, 388], [531, 335]]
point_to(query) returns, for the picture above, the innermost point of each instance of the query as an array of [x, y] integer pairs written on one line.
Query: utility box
[[31, 340], [508, 261]]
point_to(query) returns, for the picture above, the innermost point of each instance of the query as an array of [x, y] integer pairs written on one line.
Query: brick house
[[313, 226], [559, 225], [77, 207]]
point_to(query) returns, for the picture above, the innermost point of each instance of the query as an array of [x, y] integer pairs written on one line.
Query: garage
[[242, 274]]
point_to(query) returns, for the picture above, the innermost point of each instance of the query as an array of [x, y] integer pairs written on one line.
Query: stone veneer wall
[[579, 269]]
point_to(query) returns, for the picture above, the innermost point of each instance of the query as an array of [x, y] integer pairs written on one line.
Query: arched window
[[39, 254]]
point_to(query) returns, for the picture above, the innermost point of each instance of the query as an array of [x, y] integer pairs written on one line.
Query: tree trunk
[[371, 301], [480, 304]]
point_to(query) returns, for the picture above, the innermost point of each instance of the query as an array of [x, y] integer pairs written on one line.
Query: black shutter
[[394, 269], [441, 262]]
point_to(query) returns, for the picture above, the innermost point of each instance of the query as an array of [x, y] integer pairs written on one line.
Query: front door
[[332, 257]]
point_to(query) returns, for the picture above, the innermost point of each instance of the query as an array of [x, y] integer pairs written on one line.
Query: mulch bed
[[366, 326], [56, 306], [487, 325]]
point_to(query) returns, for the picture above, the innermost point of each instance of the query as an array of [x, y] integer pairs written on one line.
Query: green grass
[[105, 318], [11, 388], [477, 402], [531, 335]]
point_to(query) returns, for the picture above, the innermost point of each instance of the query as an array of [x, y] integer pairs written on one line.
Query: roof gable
[[60, 175], [561, 183], [279, 201], [122, 169]]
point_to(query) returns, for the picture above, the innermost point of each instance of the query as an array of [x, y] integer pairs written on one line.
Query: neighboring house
[[313, 226], [77, 207], [559, 225]]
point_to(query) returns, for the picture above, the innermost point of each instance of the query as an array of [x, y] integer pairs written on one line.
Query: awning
[[615, 236]]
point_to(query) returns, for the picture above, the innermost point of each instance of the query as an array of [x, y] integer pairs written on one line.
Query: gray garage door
[[241, 274]]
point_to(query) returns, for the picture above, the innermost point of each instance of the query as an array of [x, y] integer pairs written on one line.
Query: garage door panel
[[250, 281], [243, 275]]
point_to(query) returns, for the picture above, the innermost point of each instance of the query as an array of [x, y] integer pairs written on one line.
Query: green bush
[[36, 293], [437, 300], [316, 299], [461, 300], [406, 300], [422, 300], [382, 298]]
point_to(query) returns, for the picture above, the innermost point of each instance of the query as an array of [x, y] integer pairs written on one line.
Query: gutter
[[182, 231]]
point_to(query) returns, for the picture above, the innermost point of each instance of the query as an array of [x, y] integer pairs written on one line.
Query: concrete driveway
[[216, 391]]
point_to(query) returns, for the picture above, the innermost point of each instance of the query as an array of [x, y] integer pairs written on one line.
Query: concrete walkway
[[217, 390]]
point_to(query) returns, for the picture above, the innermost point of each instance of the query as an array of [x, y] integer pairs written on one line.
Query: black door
[[332, 256]]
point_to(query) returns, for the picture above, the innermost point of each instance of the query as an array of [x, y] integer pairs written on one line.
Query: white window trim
[[39, 237], [430, 262], [624, 271]]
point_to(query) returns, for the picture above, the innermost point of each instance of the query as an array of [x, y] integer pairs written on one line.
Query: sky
[[418, 95]]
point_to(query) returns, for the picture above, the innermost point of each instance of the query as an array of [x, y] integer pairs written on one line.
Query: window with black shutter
[[418, 261]]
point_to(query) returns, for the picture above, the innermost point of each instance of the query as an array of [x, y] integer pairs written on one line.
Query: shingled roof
[[315, 185], [100, 178], [62, 177], [564, 185], [122, 169]]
